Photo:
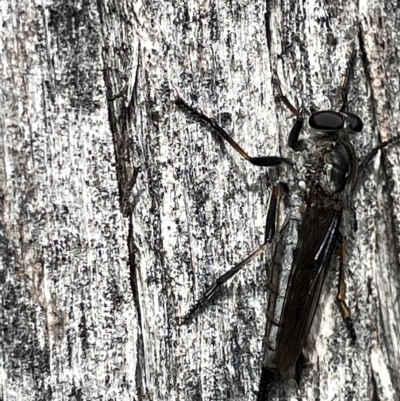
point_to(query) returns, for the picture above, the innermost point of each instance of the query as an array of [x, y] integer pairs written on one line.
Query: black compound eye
[[355, 122], [327, 120]]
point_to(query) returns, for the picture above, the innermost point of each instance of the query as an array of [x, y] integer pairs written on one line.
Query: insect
[[323, 184]]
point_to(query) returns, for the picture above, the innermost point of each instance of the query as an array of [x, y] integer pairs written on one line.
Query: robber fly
[[328, 175]]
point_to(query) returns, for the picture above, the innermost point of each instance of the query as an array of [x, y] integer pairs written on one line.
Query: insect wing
[[310, 263]]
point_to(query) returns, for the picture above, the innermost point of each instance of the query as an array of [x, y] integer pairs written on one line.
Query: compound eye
[[355, 122], [327, 120]]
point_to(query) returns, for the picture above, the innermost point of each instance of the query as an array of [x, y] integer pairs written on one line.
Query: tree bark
[[119, 209]]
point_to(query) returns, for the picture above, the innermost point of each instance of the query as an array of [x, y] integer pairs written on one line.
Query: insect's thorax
[[326, 163]]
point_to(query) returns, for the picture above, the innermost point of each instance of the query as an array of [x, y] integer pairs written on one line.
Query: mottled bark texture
[[118, 209]]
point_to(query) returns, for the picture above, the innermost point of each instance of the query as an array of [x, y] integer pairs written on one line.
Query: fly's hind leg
[[341, 297], [269, 234]]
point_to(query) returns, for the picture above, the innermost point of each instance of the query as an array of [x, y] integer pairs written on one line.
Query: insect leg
[[267, 18], [374, 152], [341, 297], [298, 125], [344, 85], [268, 377], [269, 234], [263, 161]]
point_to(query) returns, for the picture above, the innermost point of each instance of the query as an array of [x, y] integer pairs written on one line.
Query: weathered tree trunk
[[119, 209]]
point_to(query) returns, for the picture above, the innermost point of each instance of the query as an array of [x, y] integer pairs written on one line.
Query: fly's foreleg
[[269, 234], [298, 125], [341, 297]]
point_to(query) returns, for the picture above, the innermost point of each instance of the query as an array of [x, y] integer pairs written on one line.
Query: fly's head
[[334, 121], [336, 164]]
